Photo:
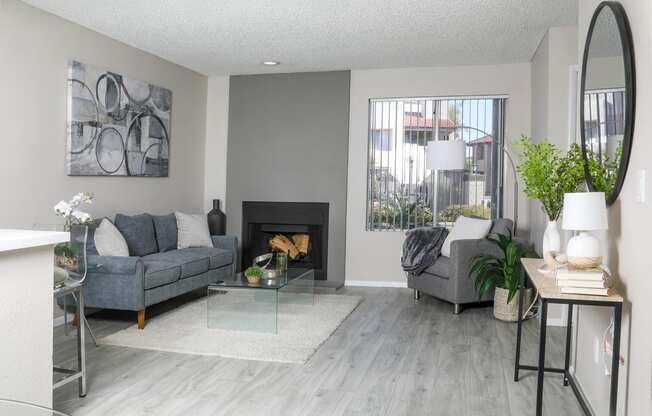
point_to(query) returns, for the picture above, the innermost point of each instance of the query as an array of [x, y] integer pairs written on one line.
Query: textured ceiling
[[233, 36]]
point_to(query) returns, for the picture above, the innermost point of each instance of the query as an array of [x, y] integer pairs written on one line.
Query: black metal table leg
[[542, 355], [519, 325], [569, 326], [615, 359]]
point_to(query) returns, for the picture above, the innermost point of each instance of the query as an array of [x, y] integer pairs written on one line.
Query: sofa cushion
[[441, 268], [465, 228], [191, 263], [165, 227], [192, 230], [159, 273], [218, 257], [502, 226], [138, 230], [109, 241]]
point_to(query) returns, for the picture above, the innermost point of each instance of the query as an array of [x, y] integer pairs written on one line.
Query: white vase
[[552, 238]]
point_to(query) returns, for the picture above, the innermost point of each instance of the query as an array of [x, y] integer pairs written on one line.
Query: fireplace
[[300, 228]]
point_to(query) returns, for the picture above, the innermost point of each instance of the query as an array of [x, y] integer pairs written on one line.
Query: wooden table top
[[546, 285]]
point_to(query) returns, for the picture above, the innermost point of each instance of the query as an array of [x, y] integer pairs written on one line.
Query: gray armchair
[[449, 278]]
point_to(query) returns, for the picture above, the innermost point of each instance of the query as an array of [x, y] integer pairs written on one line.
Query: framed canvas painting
[[117, 126]]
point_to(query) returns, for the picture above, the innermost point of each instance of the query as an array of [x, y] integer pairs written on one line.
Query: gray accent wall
[[288, 142]]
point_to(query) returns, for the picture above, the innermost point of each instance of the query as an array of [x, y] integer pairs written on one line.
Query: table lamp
[[583, 212]]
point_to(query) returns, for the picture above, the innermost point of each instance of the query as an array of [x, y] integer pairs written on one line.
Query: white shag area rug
[[301, 330]]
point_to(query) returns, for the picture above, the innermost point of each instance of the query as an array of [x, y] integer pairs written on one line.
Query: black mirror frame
[[630, 89]]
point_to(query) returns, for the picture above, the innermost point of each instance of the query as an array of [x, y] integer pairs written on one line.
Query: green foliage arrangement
[[502, 271], [548, 173], [254, 271], [450, 213], [400, 208], [604, 172], [66, 250]]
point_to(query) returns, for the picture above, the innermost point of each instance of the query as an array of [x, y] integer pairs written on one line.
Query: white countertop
[[19, 239]]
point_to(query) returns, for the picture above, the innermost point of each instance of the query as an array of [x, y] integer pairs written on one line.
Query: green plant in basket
[[504, 271]]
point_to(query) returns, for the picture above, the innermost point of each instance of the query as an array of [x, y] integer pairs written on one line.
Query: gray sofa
[[155, 270], [448, 278]]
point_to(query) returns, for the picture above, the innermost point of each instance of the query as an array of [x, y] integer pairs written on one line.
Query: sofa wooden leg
[[75, 320], [417, 295], [457, 309], [141, 319]]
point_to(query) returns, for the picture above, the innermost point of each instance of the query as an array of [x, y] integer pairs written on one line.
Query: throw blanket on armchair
[[421, 248]]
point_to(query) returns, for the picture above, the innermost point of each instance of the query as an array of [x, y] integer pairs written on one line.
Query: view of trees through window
[[402, 192]]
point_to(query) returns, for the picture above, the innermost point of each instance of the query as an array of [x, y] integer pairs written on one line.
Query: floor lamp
[[451, 155], [444, 155]]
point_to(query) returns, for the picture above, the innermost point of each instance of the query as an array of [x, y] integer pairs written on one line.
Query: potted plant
[[502, 272], [548, 174], [66, 254], [253, 274]]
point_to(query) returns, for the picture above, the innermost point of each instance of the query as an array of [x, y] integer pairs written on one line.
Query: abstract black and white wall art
[[117, 126]]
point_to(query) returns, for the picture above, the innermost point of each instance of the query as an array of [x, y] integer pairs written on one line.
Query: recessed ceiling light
[[271, 63]]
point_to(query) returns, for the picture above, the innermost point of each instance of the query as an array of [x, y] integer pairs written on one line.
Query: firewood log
[[302, 242], [284, 244]]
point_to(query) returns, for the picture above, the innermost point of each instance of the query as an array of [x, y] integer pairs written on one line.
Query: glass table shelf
[[242, 306]]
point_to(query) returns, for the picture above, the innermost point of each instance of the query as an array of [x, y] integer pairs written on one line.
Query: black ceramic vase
[[216, 219]]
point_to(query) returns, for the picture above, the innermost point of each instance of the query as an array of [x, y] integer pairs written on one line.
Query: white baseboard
[[60, 320], [375, 283]]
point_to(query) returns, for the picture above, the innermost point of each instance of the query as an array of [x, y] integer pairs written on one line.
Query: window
[[402, 193], [605, 121]]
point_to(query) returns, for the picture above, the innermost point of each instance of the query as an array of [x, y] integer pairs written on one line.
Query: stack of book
[[584, 282]]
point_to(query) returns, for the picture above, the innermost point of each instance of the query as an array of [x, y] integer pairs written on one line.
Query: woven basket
[[509, 311]]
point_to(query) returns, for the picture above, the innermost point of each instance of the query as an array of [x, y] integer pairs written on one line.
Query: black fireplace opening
[[297, 228]]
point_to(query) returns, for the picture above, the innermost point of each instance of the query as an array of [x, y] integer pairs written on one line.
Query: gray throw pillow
[[502, 226], [138, 230], [192, 231], [109, 241], [166, 232]]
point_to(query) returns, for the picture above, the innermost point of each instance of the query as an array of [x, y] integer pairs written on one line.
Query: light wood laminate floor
[[392, 356]]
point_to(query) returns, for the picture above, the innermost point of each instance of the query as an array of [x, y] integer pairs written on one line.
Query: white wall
[[217, 128], [551, 62], [630, 228], [34, 50], [375, 256]]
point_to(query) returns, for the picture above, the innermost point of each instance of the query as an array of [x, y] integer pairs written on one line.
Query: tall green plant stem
[[548, 173]]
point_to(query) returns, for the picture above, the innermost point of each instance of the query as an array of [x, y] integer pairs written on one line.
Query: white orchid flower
[[69, 211], [62, 209], [81, 217], [76, 200]]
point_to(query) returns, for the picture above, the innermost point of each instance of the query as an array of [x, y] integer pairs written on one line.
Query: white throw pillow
[[109, 241], [192, 231], [465, 228]]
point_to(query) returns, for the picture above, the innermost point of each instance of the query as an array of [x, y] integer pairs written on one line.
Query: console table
[[549, 292]]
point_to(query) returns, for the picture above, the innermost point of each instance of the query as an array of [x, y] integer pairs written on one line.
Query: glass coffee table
[[241, 306]]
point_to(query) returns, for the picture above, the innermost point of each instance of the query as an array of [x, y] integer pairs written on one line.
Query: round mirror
[[607, 100]]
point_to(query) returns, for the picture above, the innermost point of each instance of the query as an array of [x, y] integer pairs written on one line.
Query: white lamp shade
[[584, 211], [446, 155]]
